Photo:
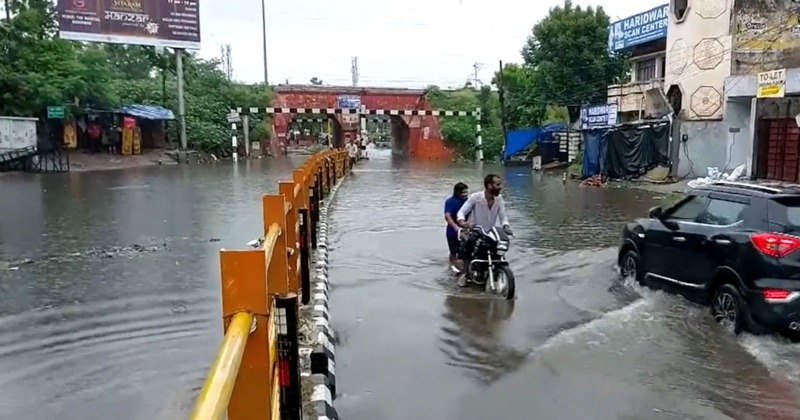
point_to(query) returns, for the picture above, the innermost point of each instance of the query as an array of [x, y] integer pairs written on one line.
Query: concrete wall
[[710, 144], [17, 132], [698, 57], [746, 85], [765, 36]]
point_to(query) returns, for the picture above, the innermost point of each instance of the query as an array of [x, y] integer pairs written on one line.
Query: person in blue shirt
[[451, 207]]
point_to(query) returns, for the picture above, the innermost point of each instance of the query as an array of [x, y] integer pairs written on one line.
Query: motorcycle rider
[[484, 209]]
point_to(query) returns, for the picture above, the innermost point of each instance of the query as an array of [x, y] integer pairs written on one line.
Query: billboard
[[348, 101], [163, 23], [638, 29], [598, 116]]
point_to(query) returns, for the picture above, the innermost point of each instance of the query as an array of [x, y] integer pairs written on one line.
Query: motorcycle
[[487, 265]]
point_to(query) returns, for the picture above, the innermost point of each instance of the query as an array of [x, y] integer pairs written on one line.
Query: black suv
[[732, 244]]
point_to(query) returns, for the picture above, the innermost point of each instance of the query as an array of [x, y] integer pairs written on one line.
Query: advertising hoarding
[[638, 29], [161, 23]]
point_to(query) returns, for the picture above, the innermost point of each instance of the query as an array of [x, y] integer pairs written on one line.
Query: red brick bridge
[[415, 134]]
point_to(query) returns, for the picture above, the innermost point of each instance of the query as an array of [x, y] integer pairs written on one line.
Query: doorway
[[778, 149]]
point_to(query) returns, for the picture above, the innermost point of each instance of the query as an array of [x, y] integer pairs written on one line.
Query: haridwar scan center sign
[[163, 23]]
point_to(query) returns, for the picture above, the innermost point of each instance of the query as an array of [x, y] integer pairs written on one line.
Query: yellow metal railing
[[246, 367]]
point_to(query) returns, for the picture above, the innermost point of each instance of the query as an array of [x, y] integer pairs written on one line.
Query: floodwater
[[117, 315], [576, 343]]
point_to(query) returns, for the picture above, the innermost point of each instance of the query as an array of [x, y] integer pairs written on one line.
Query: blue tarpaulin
[[518, 140], [147, 112], [592, 152]]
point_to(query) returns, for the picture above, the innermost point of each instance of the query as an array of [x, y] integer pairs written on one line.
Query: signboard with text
[[160, 23], [598, 116], [772, 84], [638, 29], [348, 101]]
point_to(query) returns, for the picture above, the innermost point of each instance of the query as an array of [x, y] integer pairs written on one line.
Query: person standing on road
[[451, 207], [352, 152], [93, 133]]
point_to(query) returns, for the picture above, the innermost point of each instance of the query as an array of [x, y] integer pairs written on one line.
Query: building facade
[[644, 38], [766, 42], [698, 60]]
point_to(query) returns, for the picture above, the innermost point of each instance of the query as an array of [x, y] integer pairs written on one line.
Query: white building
[[715, 50], [644, 37]]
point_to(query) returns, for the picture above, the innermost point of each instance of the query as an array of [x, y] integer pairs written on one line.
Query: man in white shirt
[[352, 152]]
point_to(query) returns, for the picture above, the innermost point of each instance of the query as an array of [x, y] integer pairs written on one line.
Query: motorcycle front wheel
[[504, 279]]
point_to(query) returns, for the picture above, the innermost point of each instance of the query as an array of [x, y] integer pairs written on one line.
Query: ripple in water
[[389, 265]]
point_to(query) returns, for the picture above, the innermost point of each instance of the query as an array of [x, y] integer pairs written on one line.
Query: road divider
[[256, 373]]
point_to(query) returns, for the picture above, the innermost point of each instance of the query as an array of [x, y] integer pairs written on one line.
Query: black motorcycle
[[487, 265]]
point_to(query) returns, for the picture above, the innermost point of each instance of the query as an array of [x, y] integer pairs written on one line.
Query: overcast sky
[[409, 43]]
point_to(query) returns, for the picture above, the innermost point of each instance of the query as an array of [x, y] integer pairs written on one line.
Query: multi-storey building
[[644, 38], [715, 52]]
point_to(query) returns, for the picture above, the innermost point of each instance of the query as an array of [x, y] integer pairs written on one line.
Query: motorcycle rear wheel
[[508, 277]]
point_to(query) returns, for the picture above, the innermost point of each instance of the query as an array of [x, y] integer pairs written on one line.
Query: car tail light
[[775, 244], [775, 294]]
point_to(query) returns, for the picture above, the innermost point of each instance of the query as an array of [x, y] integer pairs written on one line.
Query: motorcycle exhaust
[[795, 326]]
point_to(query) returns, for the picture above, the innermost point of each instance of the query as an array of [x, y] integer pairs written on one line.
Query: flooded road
[[576, 344], [118, 311], [117, 315]]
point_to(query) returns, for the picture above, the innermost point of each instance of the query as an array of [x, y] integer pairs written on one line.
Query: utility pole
[[354, 71], [475, 81], [181, 104], [502, 96], [264, 37], [8, 11], [227, 60]]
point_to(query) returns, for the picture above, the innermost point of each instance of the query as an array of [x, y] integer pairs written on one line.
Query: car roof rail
[[749, 186]]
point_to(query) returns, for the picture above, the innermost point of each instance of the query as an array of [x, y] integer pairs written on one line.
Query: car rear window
[[786, 212]]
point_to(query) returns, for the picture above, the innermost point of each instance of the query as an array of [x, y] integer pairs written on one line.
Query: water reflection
[[576, 344], [119, 311]]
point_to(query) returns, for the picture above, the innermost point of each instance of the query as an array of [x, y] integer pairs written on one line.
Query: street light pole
[[264, 38]]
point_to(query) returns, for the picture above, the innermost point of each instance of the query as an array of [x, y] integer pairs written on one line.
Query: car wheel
[[629, 265], [729, 309]]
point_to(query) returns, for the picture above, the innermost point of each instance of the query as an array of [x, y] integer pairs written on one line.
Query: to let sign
[[160, 23], [772, 84]]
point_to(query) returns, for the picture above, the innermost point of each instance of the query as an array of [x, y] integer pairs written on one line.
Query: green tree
[[567, 53], [460, 132], [38, 70], [522, 108]]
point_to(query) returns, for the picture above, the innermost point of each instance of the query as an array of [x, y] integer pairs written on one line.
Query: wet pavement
[[117, 313], [576, 344]]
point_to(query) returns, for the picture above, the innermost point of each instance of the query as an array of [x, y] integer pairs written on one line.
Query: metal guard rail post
[[247, 379]]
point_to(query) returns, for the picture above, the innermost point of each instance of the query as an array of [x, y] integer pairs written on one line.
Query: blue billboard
[[348, 101], [598, 116], [638, 29]]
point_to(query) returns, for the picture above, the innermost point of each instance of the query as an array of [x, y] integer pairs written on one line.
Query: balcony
[[629, 96]]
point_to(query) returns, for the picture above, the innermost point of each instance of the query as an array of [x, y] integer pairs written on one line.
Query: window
[[662, 71], [785, 213], [722, 213], [646, 70], [679, 8], [689, 209]]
